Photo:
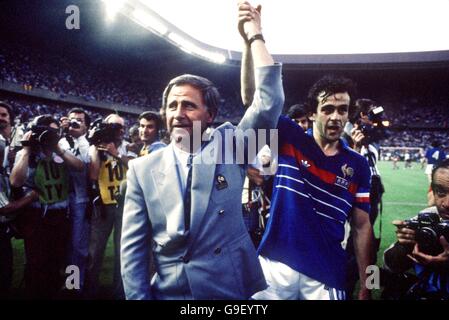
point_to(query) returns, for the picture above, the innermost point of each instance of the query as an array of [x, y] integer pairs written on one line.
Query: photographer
[[423, 243], [107, 169], [74, 130], [364, 133], [43, 166], [10, 201]]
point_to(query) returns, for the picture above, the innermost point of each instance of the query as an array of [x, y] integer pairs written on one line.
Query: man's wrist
[[26, 151], [257, 36]]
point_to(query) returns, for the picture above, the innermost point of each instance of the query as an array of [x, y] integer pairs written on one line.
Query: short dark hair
[[209, 92], [297, 111], [440, 165], [10, 110], [436, 143], [44, 120], [151, 116], [330, 84], [364, 105], [81, 110]]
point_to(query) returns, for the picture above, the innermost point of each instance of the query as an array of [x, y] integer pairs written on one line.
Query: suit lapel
[[168, 183]]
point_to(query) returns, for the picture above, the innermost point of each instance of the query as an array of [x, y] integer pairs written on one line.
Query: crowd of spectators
[[90, 82], [28, 108], [57, 74], [414, 138], [34, 69], [419, 113]]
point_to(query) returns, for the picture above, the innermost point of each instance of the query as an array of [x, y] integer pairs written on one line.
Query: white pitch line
[[410, 204]]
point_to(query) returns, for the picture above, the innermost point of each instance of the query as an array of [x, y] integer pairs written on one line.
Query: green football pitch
[[405, 195]]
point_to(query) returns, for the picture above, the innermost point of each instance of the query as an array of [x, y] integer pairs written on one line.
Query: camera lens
[[428, 241], [48, 138], [74, 124]]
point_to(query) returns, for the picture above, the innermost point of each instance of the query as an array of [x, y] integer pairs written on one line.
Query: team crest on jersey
[[342, 182], [347, 171]]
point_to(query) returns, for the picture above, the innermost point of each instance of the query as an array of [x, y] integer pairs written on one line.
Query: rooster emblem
[[347, 171]]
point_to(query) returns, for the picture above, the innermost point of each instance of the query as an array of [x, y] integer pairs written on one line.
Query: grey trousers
[[104, 219]]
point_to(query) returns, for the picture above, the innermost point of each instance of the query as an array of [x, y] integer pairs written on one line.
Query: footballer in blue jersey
[[434, 156], [319, 185]]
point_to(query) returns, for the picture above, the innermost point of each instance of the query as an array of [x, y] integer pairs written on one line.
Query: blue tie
[[188, 194]]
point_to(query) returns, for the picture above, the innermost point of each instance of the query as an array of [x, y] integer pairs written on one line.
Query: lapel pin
[[221, 182]]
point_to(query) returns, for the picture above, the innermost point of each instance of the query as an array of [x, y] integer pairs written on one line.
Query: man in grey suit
[[182, 206]]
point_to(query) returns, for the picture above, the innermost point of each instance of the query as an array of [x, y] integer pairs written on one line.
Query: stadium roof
[[365, 33], [307, 32]]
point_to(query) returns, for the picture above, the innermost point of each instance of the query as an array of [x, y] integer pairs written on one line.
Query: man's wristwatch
[[255, 37]]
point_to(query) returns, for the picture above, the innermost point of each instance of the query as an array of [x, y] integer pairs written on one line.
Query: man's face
[[5, 121], [441, 191], [302, 122], [147, 130], [184, 106], [81, 118], [331, 116]]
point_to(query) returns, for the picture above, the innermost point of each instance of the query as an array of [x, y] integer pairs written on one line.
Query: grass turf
[[405, 195]]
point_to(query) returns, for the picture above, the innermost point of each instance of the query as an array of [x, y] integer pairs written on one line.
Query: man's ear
[[312, 117], [211, 116]]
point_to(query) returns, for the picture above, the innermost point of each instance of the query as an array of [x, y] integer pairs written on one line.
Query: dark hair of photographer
[[45, 120], [364, 106]]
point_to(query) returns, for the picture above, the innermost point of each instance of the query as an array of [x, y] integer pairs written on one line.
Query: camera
[[74, 124], [42, 136], [429, 227], [376, 131], [101, 132]]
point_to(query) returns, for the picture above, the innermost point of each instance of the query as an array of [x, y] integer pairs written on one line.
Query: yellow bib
[[112, 172]]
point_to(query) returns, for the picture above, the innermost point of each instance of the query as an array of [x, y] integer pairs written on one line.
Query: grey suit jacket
[[215, 259]]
